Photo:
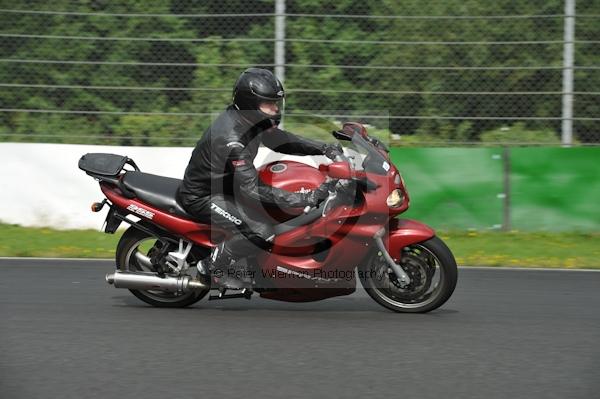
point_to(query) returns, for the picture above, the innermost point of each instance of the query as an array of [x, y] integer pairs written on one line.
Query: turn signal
[[97, 206], [395, 199]]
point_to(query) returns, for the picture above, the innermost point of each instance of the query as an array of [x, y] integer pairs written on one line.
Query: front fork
[[398, 270]]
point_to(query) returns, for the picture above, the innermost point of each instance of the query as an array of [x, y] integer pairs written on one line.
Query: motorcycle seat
[[158, 191]]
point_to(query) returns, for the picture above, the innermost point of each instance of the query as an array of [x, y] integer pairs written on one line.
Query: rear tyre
[[431, 268], [134, 240]]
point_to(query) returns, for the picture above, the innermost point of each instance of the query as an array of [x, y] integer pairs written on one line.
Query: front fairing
[[371, 160]]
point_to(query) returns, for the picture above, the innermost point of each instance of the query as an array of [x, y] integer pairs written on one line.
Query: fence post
[[568, 61], [280, 43], [506, 225]]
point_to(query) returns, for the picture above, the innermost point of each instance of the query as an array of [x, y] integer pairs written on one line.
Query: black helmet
[[256, 86]]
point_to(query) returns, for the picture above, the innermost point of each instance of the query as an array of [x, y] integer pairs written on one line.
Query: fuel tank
[[290, 176]]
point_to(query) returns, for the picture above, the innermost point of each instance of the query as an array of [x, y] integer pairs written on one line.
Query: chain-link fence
[[441, 72]]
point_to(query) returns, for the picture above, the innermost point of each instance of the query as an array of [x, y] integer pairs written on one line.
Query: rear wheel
[[432, 271], [133, 253]]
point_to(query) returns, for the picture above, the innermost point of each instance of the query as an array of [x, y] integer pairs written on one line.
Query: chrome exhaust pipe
[[143, 260], [150, 281]]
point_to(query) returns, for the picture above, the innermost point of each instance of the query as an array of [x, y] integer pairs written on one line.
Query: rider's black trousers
[[250, 233]]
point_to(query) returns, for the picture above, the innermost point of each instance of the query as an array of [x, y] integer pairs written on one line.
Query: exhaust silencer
[[150, 281]]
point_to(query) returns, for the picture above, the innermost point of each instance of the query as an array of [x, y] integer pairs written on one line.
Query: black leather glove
[[313, 198], [332, 150]]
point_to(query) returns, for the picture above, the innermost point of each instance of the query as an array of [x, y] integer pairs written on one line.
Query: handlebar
[[332, 194]]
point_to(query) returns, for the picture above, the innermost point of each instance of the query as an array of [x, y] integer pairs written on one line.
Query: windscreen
[[372, 160]]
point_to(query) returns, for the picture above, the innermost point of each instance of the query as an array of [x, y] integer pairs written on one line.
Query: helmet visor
[[271, 108]]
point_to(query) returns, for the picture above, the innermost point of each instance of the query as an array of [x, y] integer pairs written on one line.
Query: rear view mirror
[[349, 129], [340, 135], [354, 128]]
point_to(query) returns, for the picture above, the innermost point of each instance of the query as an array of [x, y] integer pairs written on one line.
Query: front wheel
[[432, 271]]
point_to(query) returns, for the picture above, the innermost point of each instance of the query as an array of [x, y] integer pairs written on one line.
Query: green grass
[[45, 242], [530, 249]]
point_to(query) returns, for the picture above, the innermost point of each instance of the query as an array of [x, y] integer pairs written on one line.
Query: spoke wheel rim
[[425, 271], [133, 265]]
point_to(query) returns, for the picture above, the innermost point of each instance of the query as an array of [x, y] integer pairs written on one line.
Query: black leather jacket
[[222, 161]]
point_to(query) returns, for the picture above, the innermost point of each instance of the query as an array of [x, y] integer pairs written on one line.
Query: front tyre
[[134, 241], [432, 271]]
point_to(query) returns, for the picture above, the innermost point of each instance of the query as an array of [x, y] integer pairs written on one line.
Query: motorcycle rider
[[221, 180]]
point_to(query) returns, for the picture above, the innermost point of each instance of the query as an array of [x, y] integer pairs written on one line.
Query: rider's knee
[[263, 239]]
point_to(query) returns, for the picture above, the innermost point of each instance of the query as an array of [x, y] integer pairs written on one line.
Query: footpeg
[[246, 293]]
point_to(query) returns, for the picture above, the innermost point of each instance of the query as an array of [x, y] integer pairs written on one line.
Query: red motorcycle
[[318, 253]]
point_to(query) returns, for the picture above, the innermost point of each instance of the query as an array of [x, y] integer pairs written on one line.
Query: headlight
[[395, 199]]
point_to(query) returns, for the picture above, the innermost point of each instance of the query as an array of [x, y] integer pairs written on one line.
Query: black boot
[[226, 272]]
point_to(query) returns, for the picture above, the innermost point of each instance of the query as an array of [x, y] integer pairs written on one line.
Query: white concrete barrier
[[41, 184]]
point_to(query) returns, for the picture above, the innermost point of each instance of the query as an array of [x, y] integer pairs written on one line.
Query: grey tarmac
[[65, 333]]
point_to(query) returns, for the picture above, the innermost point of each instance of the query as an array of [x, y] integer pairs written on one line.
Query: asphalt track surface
[[65, 333]]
